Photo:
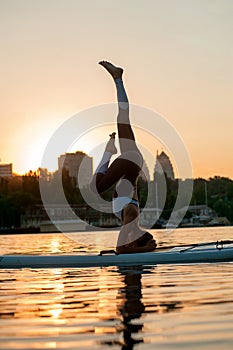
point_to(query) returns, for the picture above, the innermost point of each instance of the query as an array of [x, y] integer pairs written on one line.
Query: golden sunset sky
[[178, 60]]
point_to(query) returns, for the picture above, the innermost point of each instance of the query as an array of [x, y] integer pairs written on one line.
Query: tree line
[[20, 193]]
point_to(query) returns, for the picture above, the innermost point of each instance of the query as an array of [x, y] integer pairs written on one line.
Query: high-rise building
[[79, 166], [163, 165], [6, 170]]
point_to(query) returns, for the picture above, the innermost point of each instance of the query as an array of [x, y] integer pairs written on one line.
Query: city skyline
[[178, 62], [6, 169], [72, 161]]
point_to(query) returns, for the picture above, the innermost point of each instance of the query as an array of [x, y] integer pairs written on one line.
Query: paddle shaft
[[193, 245]]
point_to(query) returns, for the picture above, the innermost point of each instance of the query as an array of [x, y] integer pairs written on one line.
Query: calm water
[[163, 307]]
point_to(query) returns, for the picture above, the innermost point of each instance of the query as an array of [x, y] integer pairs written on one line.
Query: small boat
[[212, 252]]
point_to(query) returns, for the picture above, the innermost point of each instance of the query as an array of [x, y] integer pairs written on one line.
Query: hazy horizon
[[178, 60]]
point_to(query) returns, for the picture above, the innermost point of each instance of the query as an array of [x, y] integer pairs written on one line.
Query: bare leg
[[129, 164], [125, 131], [102, 168]]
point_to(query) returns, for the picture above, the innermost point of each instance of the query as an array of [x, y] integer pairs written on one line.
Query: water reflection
[[132, 307], [112, 307], [107, 301]]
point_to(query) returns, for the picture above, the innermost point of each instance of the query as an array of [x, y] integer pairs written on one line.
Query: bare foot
[[110, 147], [116, 72]]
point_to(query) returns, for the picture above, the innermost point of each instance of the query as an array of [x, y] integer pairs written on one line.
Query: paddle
[[219, 245]]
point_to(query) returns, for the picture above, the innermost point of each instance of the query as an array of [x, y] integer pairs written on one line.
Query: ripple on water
[[166, 306]]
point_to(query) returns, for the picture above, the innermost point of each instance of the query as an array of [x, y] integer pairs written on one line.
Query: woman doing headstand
[[124, 172]]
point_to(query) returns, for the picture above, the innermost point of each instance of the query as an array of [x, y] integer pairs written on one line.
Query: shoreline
[[36, 230]]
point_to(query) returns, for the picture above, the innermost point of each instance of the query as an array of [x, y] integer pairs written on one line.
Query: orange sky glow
[[178, 60]]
